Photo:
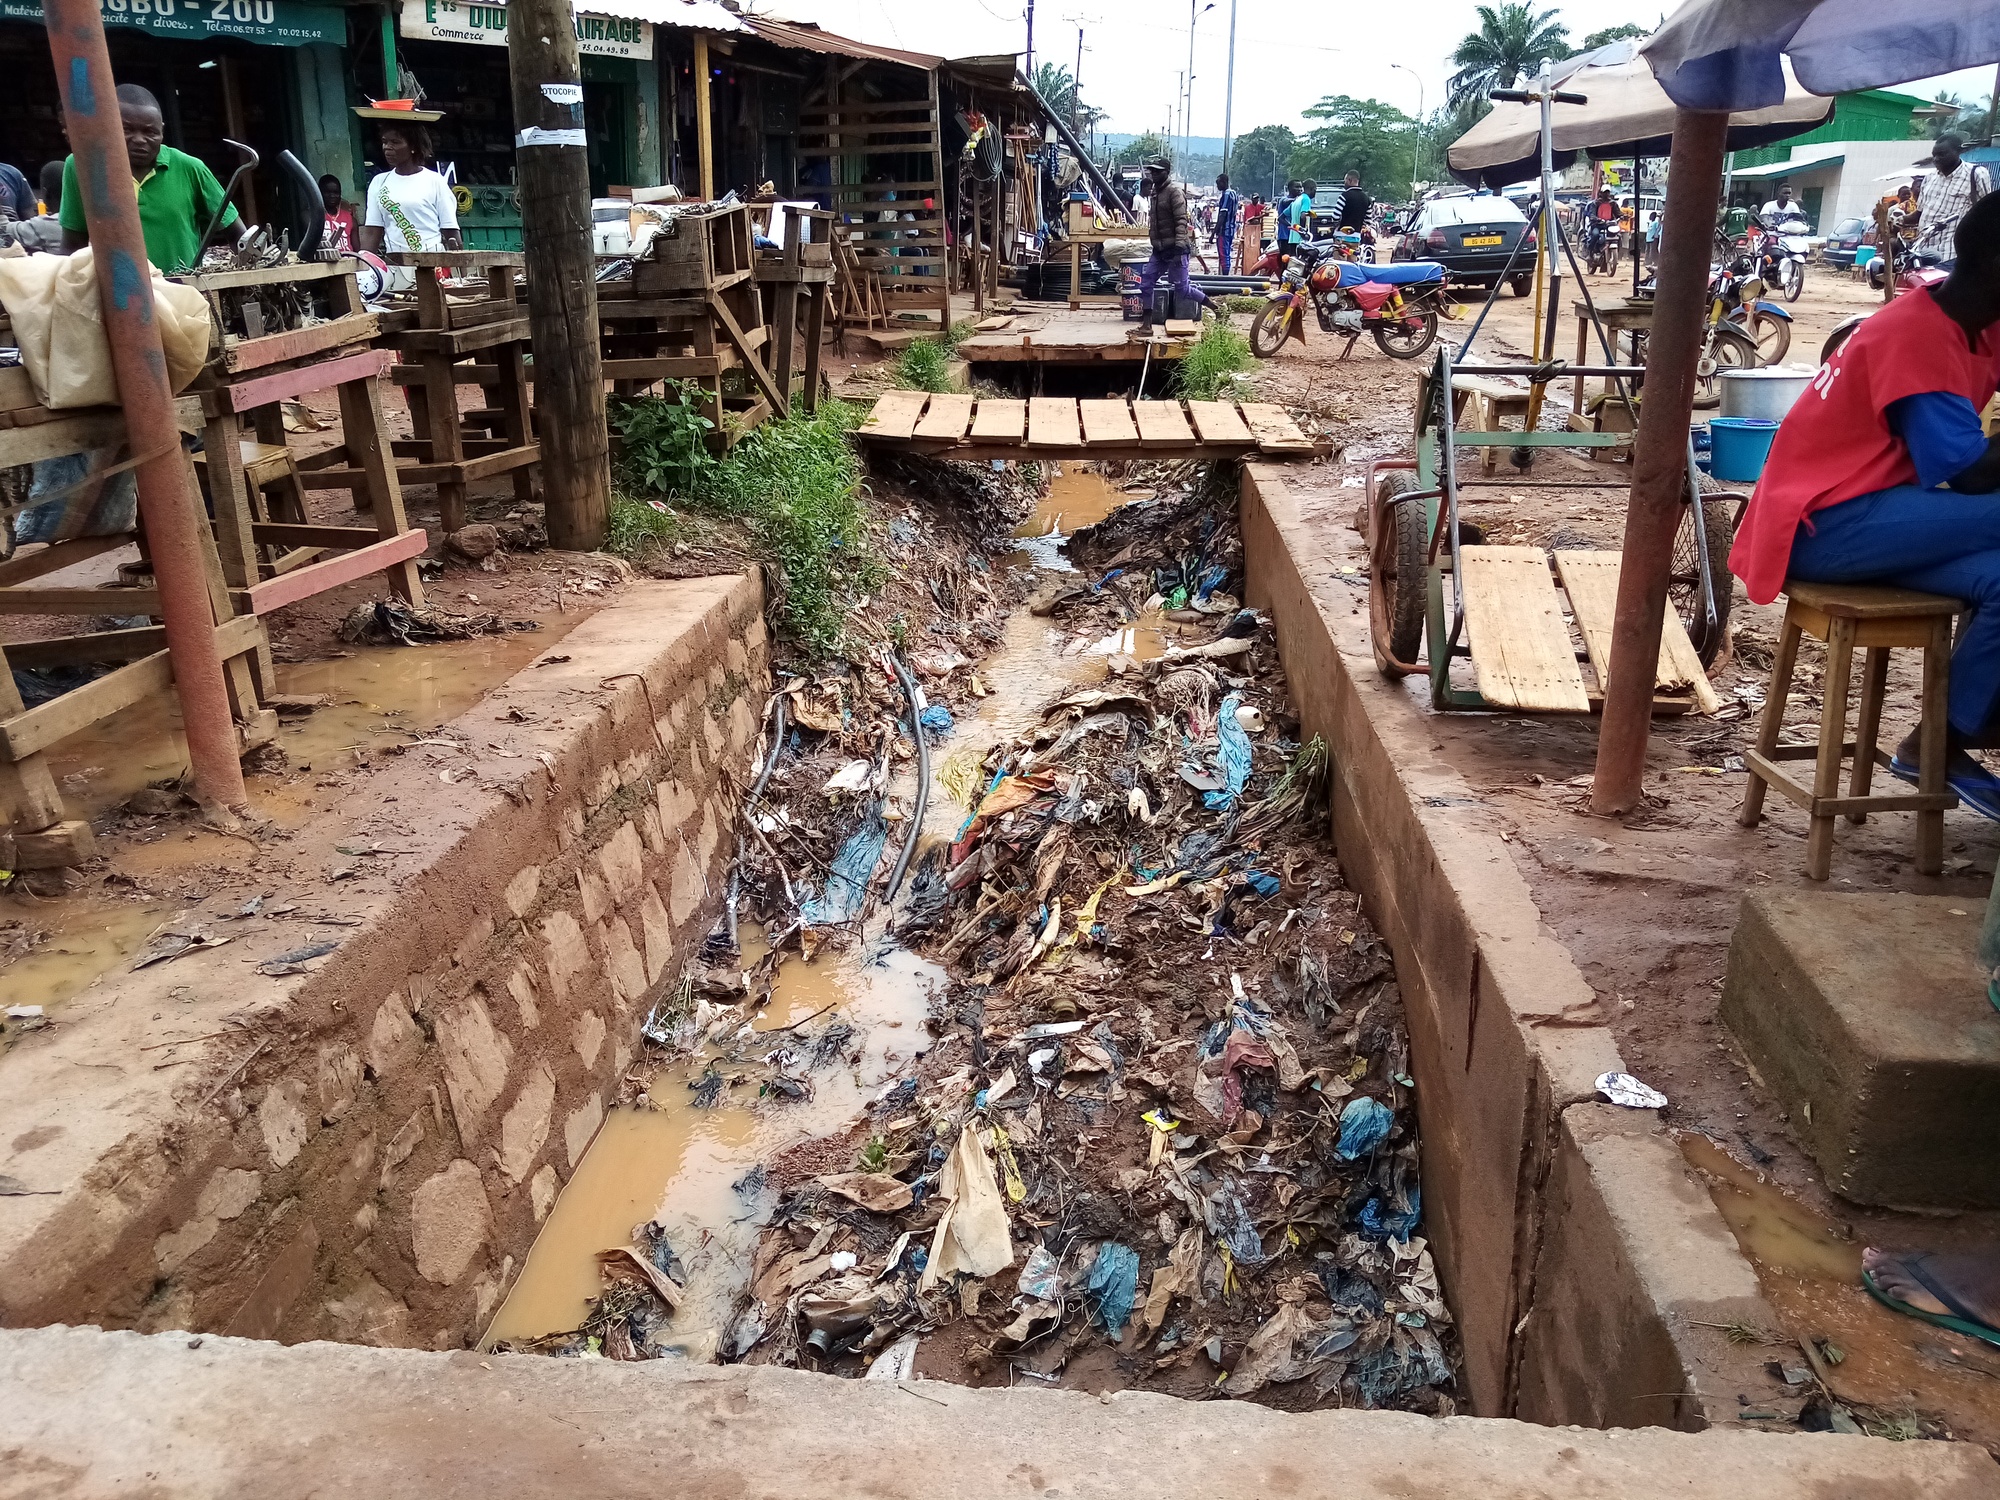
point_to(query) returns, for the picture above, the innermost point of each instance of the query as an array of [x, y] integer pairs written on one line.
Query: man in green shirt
[[178, 195]]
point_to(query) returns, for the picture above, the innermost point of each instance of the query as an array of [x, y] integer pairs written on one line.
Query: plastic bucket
[[1863, 255], [1739, 446]]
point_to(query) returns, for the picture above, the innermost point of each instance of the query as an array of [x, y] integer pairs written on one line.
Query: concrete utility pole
[[169, 506], [1229, 91], [554, 175], [1031, 41], [1076, 82]]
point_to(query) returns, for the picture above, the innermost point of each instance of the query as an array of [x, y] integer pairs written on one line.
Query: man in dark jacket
[[1171, 230]]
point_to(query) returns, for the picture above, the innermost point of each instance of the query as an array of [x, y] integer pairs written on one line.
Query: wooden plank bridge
[[955, 426]]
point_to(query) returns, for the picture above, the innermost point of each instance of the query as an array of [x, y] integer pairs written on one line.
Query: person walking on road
[[1170, 228], [1227, 204]]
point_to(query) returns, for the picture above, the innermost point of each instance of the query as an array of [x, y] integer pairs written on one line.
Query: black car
[[1844, 241], [1473, 238]]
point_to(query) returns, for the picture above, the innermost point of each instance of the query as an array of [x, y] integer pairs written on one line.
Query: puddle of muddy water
[[1810, 1270], [377, 694], [1077, 497], [691, 1169]]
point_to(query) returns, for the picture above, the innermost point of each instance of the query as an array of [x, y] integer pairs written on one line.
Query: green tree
[[1512, 42], [1626, 33], [1258, 159], [1057, 88], [1360, 135], [1141, 148]]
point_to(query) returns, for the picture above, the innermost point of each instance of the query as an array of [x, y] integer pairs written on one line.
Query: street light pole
[[1229, 91]]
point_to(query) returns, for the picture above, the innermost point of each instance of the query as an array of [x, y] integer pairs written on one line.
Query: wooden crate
[[698, 252]]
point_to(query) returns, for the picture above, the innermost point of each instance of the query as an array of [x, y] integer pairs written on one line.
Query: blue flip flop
[[1975, 786], [1961, 1319]]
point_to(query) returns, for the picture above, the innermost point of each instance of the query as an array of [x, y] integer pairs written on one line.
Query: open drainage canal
[[1114, 1094]]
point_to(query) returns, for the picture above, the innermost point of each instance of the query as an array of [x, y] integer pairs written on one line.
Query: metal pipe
[[168, 505], [1659, 456], [923, 781]]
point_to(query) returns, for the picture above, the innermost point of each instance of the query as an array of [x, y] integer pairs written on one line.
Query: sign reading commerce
[[458, 21], [276, 23]]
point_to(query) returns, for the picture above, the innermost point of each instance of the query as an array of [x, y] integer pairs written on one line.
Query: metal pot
[[1767, 393]]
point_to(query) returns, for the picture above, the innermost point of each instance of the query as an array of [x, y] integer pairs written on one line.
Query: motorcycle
[[1398, 304], [1915, 276], [1600, 247], [1739, 282], [1782, 250], [1725, 343], [1908, 263]]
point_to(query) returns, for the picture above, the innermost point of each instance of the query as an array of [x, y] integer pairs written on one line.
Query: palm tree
[[1512, 42], [1054, 84]]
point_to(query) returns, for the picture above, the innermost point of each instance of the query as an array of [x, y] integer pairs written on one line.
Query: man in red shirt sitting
[[1882, 473]]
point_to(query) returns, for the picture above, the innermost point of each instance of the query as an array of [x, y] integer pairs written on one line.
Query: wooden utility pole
[[704, 129], [553, 170]]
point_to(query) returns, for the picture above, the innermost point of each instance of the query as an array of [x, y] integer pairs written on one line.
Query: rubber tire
[[1836, 341], [1415, 351], [1522, 285], [1610, 260], [1263, 342], [1747, 359], [1780, 339], [1683, 592], [1407, 546], [1794, 281]]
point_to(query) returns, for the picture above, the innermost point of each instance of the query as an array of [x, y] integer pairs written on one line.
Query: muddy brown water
[[381, 696], [1810, 1269]]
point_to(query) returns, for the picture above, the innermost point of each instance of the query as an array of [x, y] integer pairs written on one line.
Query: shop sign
[[276, 23], [486, 25]]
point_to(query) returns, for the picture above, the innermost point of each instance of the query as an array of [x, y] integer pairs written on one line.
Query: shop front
[[454, 56], [269, 73]]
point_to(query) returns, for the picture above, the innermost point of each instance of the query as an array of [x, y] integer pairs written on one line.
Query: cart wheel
[[1684, 581], [1399, 575]]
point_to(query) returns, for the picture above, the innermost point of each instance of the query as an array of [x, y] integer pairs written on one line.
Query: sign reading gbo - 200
[[486, 25]]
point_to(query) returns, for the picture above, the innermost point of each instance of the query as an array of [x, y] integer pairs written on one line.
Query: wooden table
[[1619, 315], [1078, 238]]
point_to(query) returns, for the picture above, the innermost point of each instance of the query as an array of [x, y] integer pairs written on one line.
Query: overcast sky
[[1288, 53]]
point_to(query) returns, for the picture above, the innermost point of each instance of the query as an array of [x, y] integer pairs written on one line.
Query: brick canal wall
[[364, 1152], [1584, 1264]]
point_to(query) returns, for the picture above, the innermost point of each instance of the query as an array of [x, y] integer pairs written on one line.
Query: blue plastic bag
[[1364, 1125], [936, 721], [1232, 758], [1111, 1286], [847, 878]]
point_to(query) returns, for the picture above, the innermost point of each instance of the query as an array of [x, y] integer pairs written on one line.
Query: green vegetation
[[794, 484], [1207, 372], [1512, 43], [925, 365], [1243, 304], [874, 1156]]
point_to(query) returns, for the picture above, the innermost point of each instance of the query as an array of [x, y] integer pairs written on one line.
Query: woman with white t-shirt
[[410, 207]]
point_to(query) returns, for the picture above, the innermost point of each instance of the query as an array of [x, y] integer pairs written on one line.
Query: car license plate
[[1483, 239]]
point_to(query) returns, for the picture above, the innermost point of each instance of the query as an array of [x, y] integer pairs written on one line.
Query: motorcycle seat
[[1396, 273]]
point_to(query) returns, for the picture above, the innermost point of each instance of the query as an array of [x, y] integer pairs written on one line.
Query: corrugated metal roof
[[690, 15], [804, 37]]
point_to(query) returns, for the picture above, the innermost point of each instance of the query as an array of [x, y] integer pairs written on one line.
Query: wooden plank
[[1521, 648], [1218, 422], [275, 593], [286, 534], [1162, 424], [246, 395], [46, 723], [96, 428], [1052, 423], [98, 646], [460, 342], [946, 418], [895, 414], [58, 555], [216, 281], [1182, 328], [80, 601], [1274, 428], [1591, 579], [276, 348], [1107, 422], [999, 421]]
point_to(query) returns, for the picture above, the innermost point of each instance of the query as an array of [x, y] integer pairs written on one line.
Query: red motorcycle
[[1399, 304]]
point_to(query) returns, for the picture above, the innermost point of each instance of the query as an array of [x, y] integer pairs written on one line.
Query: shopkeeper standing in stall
[[410, 207], [1882, 473], [178, 195]]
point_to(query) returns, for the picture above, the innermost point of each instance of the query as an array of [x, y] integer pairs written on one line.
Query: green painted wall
[[1871, 115], [326, 122]]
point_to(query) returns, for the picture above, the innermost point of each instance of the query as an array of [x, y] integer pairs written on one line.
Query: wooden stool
[[1846, 616], [1495, 403]]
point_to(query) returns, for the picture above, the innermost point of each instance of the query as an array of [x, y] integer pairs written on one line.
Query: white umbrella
[[1628, 115], [1726, 54]]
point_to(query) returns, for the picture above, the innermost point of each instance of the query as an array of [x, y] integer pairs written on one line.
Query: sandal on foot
[[1960, 1319]]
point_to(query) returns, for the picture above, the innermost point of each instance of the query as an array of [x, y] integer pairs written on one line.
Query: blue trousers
[[1225, 246], [1933, 540], [1173, 264]]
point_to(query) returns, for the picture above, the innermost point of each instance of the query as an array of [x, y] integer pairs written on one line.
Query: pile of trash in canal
[[1163, 1134]]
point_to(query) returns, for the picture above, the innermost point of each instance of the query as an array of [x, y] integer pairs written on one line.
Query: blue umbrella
[[1723, 54]]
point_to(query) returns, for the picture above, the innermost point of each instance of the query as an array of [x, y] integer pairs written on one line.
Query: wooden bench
[[1491, 405]]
